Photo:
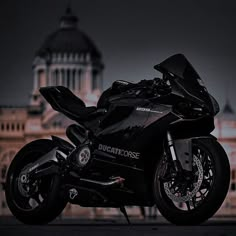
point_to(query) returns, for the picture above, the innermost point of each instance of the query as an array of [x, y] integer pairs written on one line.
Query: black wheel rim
[[36, 197]]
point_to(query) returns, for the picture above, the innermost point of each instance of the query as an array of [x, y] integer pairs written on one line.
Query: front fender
[[183, 150]]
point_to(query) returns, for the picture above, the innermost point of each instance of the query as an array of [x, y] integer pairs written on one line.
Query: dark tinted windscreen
[[186, 76]]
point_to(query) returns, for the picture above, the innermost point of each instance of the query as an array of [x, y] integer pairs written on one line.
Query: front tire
[[174, 198], [44, 202]]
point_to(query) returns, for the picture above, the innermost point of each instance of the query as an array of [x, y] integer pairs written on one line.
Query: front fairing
[[187, 80]]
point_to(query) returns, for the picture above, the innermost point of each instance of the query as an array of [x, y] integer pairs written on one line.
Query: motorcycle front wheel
[[194, 197], [38, 201]]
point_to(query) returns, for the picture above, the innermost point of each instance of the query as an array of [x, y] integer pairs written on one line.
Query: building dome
[[69, 58], [68, 39]]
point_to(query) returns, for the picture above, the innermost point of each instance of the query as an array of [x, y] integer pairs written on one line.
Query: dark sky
[[132, 35]]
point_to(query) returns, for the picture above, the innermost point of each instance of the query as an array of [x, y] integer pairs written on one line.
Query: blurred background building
[[225, 131], [68, 57]]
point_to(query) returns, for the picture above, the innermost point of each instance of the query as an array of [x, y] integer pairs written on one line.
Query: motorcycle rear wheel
[[211, 177], [44, 201]]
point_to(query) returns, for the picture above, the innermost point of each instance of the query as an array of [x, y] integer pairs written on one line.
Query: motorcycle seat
[[79, 113]]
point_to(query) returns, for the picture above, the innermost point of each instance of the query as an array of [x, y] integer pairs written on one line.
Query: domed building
[[67, 57]]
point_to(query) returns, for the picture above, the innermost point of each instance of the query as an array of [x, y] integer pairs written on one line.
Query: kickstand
[[123, 210]]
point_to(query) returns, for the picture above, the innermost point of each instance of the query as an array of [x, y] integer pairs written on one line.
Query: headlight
[[189, 110]]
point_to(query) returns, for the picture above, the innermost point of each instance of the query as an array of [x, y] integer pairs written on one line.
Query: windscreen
[[186, 76]]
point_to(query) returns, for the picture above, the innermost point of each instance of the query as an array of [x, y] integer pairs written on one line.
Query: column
[[73, 80], [87, 80], [35, 79], [60, 76], [65, 78], [80, 80], [69, 78], [76, 81], [101, 81], [51, 77]]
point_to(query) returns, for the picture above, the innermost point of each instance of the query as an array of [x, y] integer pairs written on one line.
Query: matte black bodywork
[[130, 138]]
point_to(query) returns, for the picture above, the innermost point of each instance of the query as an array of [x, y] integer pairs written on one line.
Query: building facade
[[225, 131]]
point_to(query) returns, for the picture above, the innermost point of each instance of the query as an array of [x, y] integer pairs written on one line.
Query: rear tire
[[47, 201], [212, 192]]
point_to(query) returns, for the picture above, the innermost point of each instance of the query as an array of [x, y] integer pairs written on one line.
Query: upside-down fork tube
[[170, 144]]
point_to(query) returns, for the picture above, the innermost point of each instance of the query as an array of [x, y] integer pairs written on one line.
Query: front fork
[[171, 147], [180, 151]]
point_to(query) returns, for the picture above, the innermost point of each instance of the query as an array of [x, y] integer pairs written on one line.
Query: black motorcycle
[[144, 144]]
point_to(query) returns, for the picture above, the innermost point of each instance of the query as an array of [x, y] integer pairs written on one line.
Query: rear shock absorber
[[171, 147]]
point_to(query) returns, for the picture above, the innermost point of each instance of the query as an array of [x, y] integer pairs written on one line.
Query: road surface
[[103, 227]]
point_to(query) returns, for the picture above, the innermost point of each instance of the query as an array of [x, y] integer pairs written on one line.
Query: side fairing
[[129, 128], [129, 143]]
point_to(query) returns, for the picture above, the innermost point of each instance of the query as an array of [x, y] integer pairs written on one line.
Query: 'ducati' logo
[[118, 151]]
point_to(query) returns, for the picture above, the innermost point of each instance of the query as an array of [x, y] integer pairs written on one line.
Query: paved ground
[[72, 227]]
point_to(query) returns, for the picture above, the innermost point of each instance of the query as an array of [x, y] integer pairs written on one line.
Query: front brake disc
[[177, 196]]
